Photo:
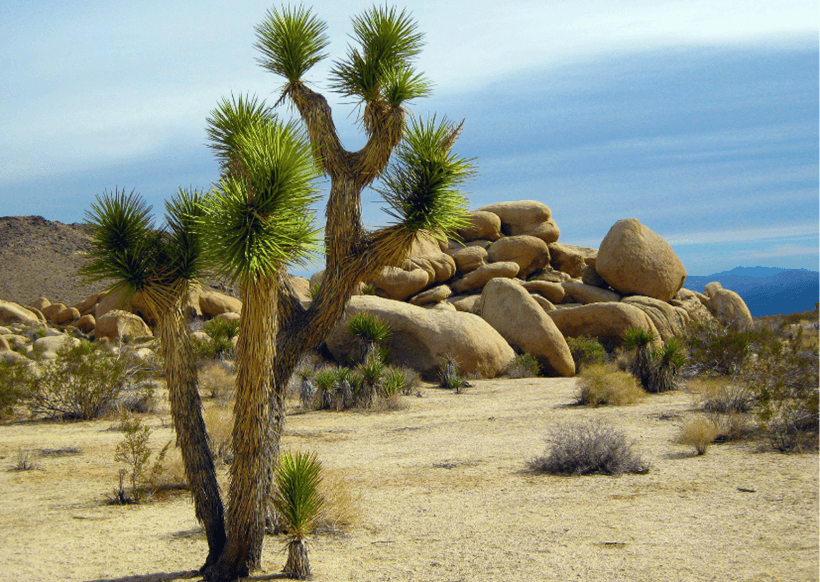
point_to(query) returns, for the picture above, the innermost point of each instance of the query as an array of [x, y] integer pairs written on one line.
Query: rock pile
[[506, 286]]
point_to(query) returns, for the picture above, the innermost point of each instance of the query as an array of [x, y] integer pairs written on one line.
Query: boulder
[[200, 336], [525, 217], [398, 284], [434, 295], [531, 253], [4, 345], [88, 305], [15, 358], [478, 278], [483, 225], [440, 266], [39, 315], [635, 260], [40, 304], [423, 339], [317, 278], [86, 323], [694, 304], [551, 275], [670, 321], [468, 259], [46, 347], [729, 308], [15, 313], [67, 315], [569, 258], [301, 287], [51, 311], [119, 323], [213, 303], [608, 321], [229, 316], [545, 303], [520, 320], [579, 293], [712, 288], [552, 291]]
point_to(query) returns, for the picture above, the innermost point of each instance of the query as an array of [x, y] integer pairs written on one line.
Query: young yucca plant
[[298, 502], [641, 365], [371, 331], [668, 360]]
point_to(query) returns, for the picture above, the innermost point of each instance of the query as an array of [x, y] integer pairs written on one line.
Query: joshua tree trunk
[[192, 436], [247, 494]]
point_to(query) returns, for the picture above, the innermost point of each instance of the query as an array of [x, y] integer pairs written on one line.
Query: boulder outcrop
[[608, 321], [633, 259], [424, 339], [525, 217]]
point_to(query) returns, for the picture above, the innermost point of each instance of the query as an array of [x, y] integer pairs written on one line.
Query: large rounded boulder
[[520, 320], [727, 306], [424, 339], [635, 260], [607, 321]]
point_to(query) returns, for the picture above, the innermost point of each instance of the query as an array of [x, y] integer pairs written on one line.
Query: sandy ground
[[444, 495]]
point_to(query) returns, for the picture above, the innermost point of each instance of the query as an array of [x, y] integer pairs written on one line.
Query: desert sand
[[443, 494]]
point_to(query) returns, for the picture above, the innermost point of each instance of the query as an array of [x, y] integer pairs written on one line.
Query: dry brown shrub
[[698, 433], [722, 395], [219, 422], [216, 380], [342, 505], [734, 427], [606, 384]]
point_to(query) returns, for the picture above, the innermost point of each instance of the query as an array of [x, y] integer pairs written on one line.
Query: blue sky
[[698, 118]]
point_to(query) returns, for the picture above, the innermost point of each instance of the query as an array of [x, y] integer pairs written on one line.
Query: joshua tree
[[256, 232], [161, 265], [298, 502]]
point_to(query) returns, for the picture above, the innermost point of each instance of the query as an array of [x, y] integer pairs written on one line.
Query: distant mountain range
[[766, 290]]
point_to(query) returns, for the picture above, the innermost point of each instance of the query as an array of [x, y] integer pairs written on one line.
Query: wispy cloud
[[759, 235]]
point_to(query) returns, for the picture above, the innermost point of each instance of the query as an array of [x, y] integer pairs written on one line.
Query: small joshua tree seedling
[[641, 365], [298, 502], [668, 360]]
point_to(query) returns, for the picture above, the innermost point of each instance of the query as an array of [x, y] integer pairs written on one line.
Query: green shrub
[[134, 452], [450, 376], [586, 351], [84, 382], [588, 447], [12, 375], [605, 384], [523, 366]]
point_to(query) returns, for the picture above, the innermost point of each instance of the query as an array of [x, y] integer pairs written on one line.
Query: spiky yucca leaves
[[380, 70], [641, 365], [161, 265], [668, 360], [259, 219], [422, 187], [298, 502], [291, 42], [232, 119]]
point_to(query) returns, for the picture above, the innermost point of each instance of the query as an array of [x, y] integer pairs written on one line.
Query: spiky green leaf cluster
[[231, 119], [127, 249], [671, 354], [291, 41], [380, 68], [636, 337], [422, 186], [368, 326], [297, 497], [257, 218]]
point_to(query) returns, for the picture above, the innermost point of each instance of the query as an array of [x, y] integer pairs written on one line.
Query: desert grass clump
[[299, 504], [588, 447], [523, 366], [219, 422], [24, 461], [698, 433], [605, 384], [586, 351], [722, 395], [341, 507]]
